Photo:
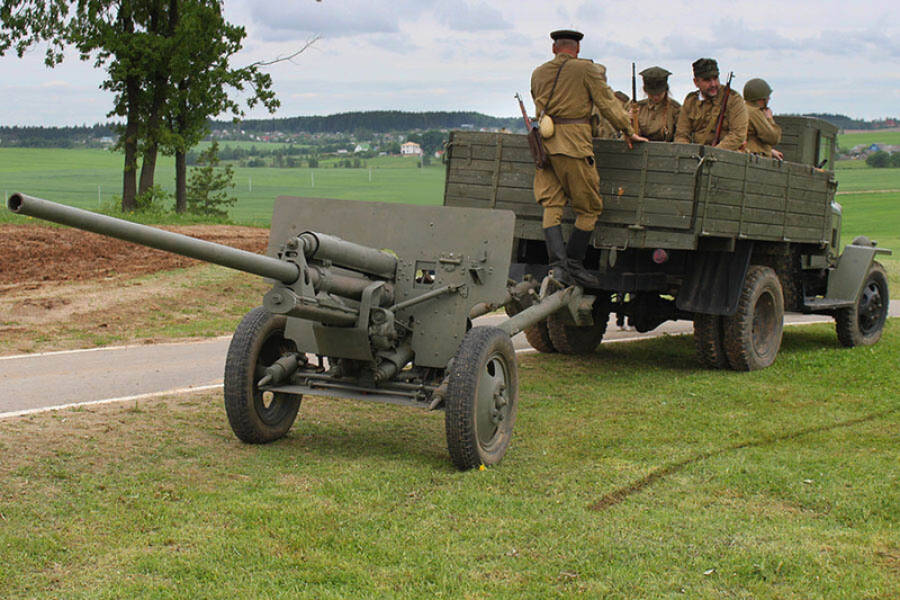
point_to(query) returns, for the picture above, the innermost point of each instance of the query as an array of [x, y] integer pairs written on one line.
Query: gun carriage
[[386, 317]]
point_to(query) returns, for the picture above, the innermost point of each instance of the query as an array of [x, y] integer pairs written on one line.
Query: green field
[[85, 178], [632, 474], [848, 140]]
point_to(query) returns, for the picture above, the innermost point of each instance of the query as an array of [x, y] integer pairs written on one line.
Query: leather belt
[[578, 121]]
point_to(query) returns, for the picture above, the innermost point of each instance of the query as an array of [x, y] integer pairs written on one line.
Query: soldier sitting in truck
[[701, 108], [762, 132]]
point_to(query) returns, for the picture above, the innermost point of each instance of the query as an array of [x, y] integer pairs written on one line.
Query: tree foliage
[[879, 159], [209, 185]]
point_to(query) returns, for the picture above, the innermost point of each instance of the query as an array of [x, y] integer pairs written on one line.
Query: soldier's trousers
[[572, 181]]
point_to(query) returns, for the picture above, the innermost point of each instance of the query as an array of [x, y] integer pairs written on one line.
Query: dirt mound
[[31, 254]]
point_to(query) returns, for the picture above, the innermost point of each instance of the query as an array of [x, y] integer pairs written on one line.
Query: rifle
[[721, 118], [634, 117], [535, 141]]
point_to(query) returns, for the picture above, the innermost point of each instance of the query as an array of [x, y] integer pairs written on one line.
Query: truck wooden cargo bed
[[655, 195]]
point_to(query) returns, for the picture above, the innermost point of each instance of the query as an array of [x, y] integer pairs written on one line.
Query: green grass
[[74, 176], [679, 483], [850, 180], [849, 140]]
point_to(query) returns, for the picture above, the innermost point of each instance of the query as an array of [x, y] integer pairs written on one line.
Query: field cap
[[566, 34], [656, 80], [704, 68]]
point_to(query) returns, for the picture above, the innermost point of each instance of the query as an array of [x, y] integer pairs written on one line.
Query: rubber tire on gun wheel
[[258, 342], [862, 323], [709, 340], [571, 339], [482, 398], [753, 334]]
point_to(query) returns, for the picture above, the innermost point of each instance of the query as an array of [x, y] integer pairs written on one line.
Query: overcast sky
[[418, 55]]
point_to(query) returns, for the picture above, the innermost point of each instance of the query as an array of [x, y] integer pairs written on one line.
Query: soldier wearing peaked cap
[[657, 113], [565, 90], [762, 132], [701, 108]]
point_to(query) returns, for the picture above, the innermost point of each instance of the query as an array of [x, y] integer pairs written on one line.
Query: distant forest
[[378, 121], [356, 124]]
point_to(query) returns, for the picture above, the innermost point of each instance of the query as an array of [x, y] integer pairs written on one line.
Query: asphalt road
[[37, 382]]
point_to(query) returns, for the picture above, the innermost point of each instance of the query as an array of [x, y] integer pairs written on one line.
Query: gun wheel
[[709, 340], [752, 336], [862, 323], [571, 339], [255, 416], [482, 396]]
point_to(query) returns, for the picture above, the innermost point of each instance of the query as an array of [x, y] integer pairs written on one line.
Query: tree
[[207, 192], [879, 159], [151, 49], [895, 159]]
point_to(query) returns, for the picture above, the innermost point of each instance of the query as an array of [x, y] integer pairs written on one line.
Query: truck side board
[[655, 195]]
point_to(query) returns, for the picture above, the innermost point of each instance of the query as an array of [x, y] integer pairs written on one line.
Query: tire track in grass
[[621, 494]]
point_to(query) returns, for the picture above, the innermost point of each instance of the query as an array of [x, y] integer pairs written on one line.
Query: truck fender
[[846, 280]]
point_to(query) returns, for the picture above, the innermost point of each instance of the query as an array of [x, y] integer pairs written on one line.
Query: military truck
[[726, 239]]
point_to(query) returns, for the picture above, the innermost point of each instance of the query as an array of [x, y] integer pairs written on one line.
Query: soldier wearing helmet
[[657, 114], [762, 132], [701, 108], [565, 91]]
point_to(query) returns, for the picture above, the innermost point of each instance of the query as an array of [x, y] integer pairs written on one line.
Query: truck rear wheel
[[571, 339], [482, 396], [752, 336], [709, 340], [255, 416], [539, 337], [862, 323]]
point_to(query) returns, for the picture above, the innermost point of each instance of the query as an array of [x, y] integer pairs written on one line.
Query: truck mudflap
[[714, 281], [846, 280]]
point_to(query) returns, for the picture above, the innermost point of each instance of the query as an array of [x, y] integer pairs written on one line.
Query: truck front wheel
[[752, 336], [861, 324]]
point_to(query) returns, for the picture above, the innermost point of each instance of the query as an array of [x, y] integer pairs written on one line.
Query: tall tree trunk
[[129, 176], [148, 166], [180, 181]]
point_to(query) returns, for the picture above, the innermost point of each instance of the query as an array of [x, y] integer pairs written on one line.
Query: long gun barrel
[[241, 260]]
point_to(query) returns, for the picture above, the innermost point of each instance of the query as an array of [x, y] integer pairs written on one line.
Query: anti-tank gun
[[385, 317]]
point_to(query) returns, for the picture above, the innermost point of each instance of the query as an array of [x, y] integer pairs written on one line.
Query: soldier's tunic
[[762, 132], [657, 122], [572, 174], [697, 121]]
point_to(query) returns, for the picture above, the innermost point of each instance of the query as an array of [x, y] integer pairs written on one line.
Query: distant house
[[410, 149], [363, 147]]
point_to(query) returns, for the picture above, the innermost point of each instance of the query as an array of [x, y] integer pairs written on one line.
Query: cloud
[[467, 16]]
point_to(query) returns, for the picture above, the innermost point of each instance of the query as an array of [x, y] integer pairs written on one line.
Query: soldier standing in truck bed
[[700, 111], [762, 131], [566, 89], [657, 113]]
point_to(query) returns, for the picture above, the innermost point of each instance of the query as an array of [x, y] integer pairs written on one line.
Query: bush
[[879, 159], [895, 159], [208, 186]]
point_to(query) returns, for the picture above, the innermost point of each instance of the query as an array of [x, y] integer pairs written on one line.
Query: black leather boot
[[576, 250], [556, 252]]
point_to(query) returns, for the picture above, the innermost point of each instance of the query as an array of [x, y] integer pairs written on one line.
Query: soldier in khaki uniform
[[700, 111], [657, 114], [566, 89], [762, 132]]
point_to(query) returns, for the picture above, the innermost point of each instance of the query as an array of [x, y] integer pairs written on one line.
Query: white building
[[410, 149]]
